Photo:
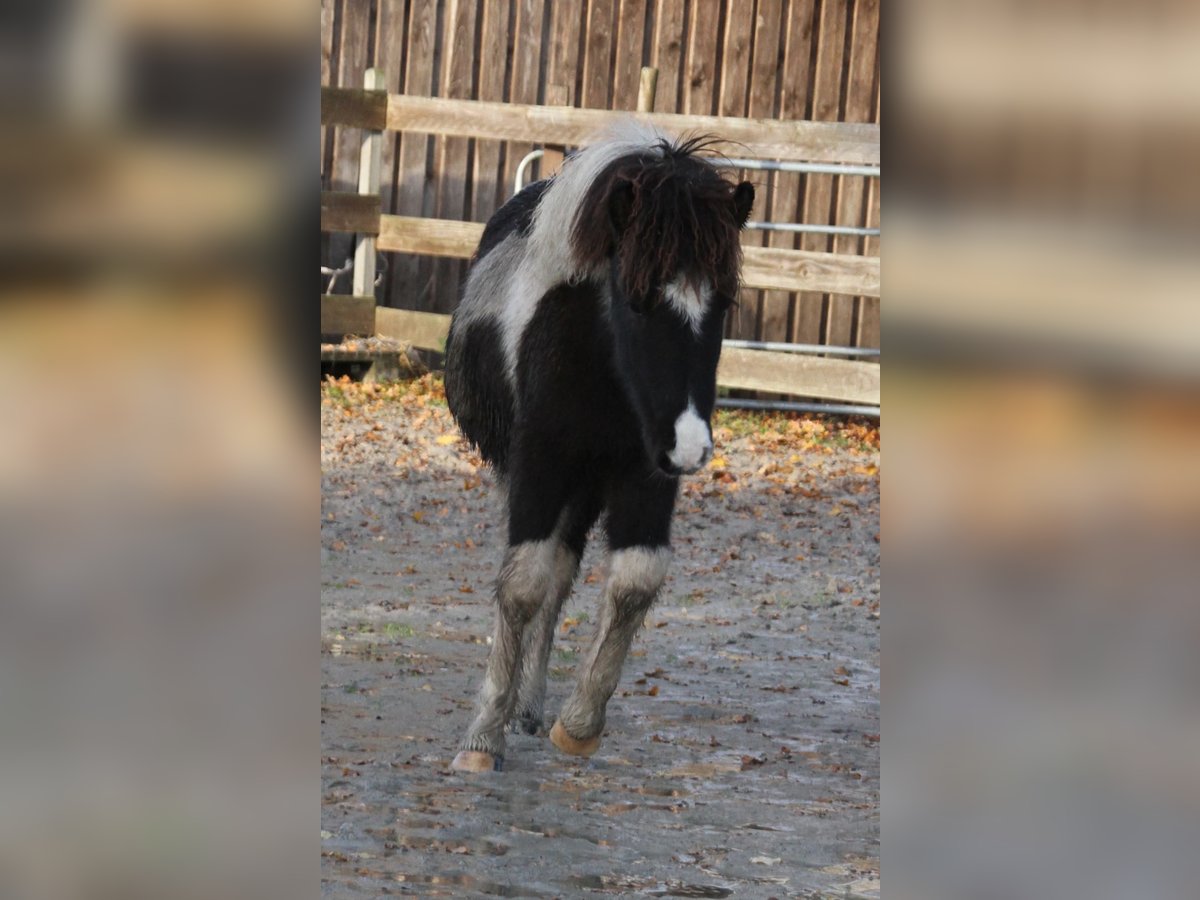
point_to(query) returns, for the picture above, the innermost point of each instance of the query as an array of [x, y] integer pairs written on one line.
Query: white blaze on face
[[688, 300], [693, 441]]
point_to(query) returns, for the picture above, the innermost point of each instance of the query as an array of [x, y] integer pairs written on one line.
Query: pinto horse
[[581, 362]]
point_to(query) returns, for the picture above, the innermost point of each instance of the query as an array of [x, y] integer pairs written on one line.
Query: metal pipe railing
[[815, 168], [808, 229], [783, 347], [840, 409]]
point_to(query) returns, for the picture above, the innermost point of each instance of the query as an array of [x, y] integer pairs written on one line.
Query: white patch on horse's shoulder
[[638, 569], [693, 441], [689, 300]]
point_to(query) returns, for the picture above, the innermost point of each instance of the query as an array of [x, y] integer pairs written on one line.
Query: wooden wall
[[788, 59]]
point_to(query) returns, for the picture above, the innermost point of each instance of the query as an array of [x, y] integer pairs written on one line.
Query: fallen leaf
[[766, 860], [446, 439]]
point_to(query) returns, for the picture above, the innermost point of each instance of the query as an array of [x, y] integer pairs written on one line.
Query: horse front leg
[[526, 580], [572, 530], [635, 577], [639, 519], [535, 656]]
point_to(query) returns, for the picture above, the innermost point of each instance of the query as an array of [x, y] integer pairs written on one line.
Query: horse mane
[[680, 218]]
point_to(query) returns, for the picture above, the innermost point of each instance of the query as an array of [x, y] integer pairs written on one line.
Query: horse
[[581, 364]]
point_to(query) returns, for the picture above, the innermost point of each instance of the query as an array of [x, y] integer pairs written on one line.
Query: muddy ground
[[741, 754]]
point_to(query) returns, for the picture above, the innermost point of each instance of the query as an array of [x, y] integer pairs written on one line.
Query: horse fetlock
[[526, 721], [483, 742]]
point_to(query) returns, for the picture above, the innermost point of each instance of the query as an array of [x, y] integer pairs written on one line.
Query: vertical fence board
[[788, 187], [352, 63], [389, 61], [493, 53], [528, 48], [631, 23], [458, 68], [597, 56], [856, 107], [818, 199], [699, 89], [562, 65], [868, 319], [410, 275], [771, 318], [734, 90], [669, 34], [326, 78]]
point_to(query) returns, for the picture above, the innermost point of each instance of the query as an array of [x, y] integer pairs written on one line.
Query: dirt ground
[[741, 754]]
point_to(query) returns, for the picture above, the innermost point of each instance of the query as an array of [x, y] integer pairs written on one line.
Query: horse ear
[[743, 201], [620, 205]]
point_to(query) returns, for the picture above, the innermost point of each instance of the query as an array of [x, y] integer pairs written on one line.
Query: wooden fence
[[782, 60], [375, 111]]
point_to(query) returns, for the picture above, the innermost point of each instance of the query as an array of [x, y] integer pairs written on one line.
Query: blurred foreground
[[1042, 506], [158, 483]]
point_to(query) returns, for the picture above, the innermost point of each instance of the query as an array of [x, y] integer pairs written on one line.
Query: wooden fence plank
[[758, 370], [756, 138], [670, 30], [435, 237], [389, 60], [421, 329], [868, 319], [792, 270], [631, 23], [762, 267], [347, 314], [798, 375], [354, 108], [410, 277], [700, 79], [527, 53], [352, 62], [350, 212], [489, 189], [851, 189], [781, 310], [597, 56], [327, 14], [770, 316], [818, 199], [760, 73], [562, 62], [458, 65]]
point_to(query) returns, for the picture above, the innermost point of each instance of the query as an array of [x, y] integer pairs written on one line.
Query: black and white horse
[[582, 363]]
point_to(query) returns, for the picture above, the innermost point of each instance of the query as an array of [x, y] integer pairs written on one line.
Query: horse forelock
[[681, 222]]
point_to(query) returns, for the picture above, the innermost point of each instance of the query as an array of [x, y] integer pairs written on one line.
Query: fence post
[[647, 88], [368, 183]]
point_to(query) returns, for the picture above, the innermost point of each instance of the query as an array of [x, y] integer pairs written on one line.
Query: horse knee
[[531, 572], [636, 574]]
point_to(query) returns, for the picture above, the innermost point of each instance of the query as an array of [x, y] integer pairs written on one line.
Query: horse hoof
[[568, 744], [475, 761]]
